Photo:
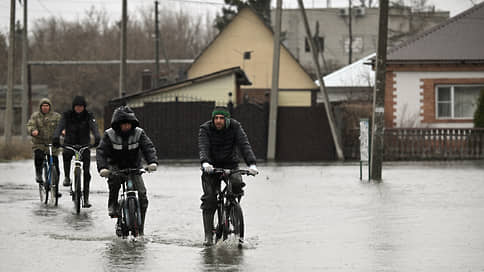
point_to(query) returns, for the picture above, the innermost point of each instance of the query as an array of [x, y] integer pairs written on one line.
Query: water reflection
[[124, 255], [222, 257], [80, 221]]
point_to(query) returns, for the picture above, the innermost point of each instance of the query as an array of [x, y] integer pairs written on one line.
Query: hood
[[123, 114], [79, 100], [45, 101]]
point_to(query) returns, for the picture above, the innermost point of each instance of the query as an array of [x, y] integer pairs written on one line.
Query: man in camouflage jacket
[[41, 127]]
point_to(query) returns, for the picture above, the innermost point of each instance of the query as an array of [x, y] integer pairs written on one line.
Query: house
[[433, 80], [217, 86], [353, 82], [331, 31], [248, 42]]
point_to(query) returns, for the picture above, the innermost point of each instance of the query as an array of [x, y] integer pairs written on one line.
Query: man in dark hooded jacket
[[218, 140], [122, 147], [76, 125]]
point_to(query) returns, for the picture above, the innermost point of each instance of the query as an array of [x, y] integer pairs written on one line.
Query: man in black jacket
[[218, 140], [122, 147], [76, 125]]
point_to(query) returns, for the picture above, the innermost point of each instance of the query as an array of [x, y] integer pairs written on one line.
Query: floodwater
[[423, 217]]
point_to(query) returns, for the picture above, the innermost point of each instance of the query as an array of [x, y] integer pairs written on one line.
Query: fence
[[434, 143]]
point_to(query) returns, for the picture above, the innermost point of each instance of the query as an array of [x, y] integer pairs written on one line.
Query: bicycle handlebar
[[127, 171], [229, 172], [77, 148]]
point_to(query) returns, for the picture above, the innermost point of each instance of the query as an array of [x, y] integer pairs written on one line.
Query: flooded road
[[423, 217]]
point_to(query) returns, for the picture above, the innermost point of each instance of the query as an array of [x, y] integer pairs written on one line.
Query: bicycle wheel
[[77, 189], [236, 222], [46, 184], [54, 188], [133, 217]]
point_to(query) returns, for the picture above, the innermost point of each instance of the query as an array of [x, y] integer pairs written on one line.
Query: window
[[318, 42], [457, 101]]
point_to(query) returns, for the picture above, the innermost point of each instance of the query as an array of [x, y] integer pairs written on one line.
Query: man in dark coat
[[218, 140], [122, 147], [76, 125]]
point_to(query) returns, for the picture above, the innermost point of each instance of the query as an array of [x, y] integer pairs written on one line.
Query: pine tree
[[479, 113]]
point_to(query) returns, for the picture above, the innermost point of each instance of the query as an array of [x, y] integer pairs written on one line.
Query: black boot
[[208, 227], [143, 215], [38, 176], [67, 181], [86, 203]]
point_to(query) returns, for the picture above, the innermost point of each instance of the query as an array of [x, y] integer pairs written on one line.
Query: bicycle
[[230, 219], [77, 192], [129, 210], [51, 180]]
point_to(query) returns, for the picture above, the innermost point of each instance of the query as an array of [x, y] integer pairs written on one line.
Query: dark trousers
[[114, 185], [39, 156], [210, 186]]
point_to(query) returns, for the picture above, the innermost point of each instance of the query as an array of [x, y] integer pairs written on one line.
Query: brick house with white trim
[[434, 79]]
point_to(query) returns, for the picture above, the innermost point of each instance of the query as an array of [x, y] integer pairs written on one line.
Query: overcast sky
[[72, 9]]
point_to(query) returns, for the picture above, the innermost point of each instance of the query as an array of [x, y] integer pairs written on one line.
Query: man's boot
[[86, 203], [112, 204], [38, 176], [67, 181], [143, 215], [208, 227]]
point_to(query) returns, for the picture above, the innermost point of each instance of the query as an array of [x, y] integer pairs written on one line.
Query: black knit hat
[[79, 101]]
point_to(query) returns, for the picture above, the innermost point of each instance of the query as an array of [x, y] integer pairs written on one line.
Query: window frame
[[452, 105]]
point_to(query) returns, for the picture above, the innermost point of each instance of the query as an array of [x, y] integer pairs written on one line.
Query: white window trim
[[451, 86]]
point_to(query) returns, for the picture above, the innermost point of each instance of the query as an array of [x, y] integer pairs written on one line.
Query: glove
[[253, 170], [207, 167], [104, 172], [151, 167], [96, 143], [56, 142]]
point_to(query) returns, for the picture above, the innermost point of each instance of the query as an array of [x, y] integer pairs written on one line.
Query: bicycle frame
[[129, 196], [77, 196], [228, 204], [47, 187]]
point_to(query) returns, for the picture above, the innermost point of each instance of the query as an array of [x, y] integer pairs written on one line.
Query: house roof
[[457, 39], [240, 75], [357, 74], [265, 24]]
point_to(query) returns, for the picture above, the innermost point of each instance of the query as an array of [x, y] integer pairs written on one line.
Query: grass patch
[[16, 150]]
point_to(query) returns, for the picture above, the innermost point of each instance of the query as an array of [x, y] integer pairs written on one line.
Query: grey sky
[[72, 9]]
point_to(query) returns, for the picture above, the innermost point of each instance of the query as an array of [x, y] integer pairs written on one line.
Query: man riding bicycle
[[122, 147], [41, 126], [218, 140], [76, 124]]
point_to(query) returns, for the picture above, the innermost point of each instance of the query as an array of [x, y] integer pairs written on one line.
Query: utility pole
[[25, 58], [122, 72], [379, 95], [157, 48], [272, 135], [10, 77], [322, 88], [350, 34]]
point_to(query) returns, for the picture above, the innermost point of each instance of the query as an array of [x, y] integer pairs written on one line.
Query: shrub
[[16, 150]]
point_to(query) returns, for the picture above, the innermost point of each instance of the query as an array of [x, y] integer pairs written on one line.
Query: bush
[[479, 113], [16, 150]]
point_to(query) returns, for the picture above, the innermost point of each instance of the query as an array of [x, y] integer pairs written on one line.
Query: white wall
[[409, 95]]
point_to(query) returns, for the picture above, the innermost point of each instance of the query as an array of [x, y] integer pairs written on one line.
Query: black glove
[[97, 140], [56, 142]]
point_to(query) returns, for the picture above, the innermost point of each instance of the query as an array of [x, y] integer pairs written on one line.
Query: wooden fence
[[434, 143]]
